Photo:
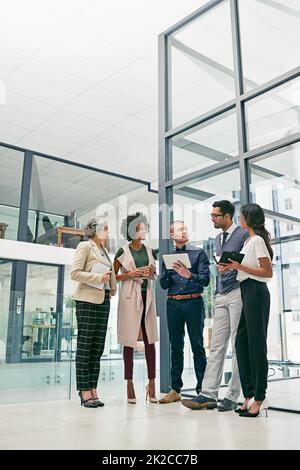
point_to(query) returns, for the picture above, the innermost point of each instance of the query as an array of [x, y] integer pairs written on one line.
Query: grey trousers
[[228, 309]]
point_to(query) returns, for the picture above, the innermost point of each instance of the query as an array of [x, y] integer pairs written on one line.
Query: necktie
[[225, 235]]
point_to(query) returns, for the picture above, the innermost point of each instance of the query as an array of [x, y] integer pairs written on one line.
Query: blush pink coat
[[130, 306]]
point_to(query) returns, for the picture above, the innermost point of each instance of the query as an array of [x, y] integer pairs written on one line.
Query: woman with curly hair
[[136, 308]]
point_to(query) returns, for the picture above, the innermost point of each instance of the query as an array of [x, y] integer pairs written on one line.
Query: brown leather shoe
[[171, 397], [199, 405]]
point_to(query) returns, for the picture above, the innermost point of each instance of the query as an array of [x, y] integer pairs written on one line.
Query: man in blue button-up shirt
[[185, 307]]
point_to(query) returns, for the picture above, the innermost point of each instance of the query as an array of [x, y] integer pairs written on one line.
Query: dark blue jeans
[[191, 313]]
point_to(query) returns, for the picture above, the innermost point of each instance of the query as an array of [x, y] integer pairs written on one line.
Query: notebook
[[99, 268], [182, 257], [226, 255]]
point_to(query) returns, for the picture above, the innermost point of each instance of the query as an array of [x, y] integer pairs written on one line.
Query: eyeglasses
[[214, 216]]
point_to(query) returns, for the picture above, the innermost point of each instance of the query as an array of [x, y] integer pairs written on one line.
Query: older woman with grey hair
[[92, 269]]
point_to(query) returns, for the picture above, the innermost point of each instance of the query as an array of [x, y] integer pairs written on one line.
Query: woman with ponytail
[[251, 340]]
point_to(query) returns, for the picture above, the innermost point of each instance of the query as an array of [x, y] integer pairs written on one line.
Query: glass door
[[43, 332], [40, 313], [192, 202], [5, 280], [274, 184], [34, 365]]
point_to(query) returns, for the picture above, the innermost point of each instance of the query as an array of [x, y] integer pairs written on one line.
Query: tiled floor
[[66, 425]]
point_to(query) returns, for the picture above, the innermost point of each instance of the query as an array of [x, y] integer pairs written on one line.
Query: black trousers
[[92, 322], [251, 339], [191, 313]]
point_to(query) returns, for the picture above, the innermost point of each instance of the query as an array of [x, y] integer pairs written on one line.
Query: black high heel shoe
[[89, 403], [263, 406], [249, 404], [98, 402]]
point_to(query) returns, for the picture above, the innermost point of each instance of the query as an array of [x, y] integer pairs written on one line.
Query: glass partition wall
[[229, 128], [10, 191], [47, 201]]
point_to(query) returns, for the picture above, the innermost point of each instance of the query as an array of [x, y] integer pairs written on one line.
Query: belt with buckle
[[184, 296]]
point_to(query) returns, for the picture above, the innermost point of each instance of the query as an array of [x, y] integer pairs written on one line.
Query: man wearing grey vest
[[228, 306]]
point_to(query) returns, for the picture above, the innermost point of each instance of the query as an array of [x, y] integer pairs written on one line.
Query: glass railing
[[38, 340]]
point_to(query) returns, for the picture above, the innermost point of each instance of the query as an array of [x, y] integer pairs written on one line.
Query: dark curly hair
[[131, 223]]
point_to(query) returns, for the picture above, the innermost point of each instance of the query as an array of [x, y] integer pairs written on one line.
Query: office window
[[288, 204], [291, 249], [270, 36], [11, 163], [64, 197], [275, 186], [40, 313], [192, 202], [212, 142], [202, 79], [293, 271], [273, 115], [202, 65], [5, 281], [294, 291]]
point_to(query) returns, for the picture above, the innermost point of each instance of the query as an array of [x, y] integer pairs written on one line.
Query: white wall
[[16, 250]]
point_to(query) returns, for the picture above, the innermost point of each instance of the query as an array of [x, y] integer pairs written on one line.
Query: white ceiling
[[81, 75], [81, 78]]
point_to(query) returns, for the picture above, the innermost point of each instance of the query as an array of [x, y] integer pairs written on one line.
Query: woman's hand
[[149, 271], [152, 270], [223, 268], [234, 264], [139, 272], [106, 277]]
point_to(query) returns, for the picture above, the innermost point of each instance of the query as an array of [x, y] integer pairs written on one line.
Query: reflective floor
[[65, 425], [51, 421], [283, 385]]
